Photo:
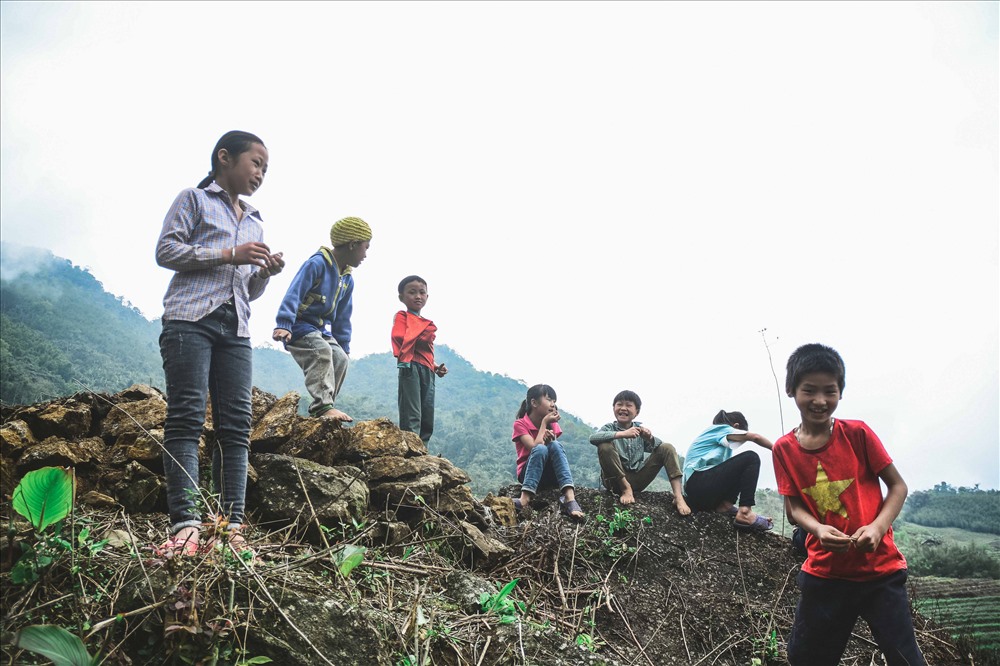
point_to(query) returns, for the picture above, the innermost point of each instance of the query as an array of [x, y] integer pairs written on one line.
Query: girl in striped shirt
[[213, 241]]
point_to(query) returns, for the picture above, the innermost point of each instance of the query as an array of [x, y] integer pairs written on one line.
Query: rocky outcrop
[[304, 471]]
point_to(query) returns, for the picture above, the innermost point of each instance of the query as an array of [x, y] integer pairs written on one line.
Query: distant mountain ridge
[[60, 331]]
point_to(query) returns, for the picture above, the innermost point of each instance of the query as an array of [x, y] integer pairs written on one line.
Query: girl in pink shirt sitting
[[541, 461]]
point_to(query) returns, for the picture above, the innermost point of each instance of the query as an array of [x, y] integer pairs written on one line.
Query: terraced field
[[962, 606]]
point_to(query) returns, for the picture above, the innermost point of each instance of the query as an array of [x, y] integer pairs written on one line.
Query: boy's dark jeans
[[416, 400], [199, 358], [828, 609]]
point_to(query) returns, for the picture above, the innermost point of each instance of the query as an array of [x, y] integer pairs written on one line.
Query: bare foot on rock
[[337, 415]]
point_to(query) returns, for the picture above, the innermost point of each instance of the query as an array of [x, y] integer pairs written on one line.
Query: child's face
[[414, 296], [244, 174], [817, 396], [625, 412], [357, 253], [544, 405]]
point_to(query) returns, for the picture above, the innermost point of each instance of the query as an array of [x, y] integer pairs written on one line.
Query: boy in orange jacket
[[413, 347]]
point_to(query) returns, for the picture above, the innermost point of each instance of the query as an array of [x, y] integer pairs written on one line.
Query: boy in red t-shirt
[[413, 347], [828, 472]]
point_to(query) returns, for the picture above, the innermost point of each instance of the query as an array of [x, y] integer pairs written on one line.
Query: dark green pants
[[416, 400]]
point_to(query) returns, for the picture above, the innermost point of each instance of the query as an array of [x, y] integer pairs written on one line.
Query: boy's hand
[[629, 433], [867, 538], [646, 433], [281, 335], [832, 539], [440, 370]]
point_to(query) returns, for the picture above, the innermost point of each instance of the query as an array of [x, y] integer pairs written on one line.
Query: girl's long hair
[[236, 143], [536, 392]]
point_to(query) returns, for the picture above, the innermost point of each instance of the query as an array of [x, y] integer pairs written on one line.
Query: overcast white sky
[[600, 195]]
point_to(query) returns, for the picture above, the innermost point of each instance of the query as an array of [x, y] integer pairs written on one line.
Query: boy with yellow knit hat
[[314, 320]]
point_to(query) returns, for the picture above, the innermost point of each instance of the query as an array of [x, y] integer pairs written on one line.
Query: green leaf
[[349, 557], [55, 643], [256, 660], [506, 590], [45, 496]]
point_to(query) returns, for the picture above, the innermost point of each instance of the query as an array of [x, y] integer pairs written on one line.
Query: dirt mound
[[444, 578]]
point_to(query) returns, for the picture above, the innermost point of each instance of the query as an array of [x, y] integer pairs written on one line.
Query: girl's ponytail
[[523, 410], [235, 142]]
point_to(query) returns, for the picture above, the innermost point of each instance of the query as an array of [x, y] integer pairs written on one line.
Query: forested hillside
[[946, 506], [60, 330], [58, 326]]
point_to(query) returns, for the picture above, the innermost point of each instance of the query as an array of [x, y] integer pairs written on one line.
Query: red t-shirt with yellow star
[[839, 485]]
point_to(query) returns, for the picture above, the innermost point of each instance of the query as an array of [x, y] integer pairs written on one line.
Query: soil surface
[[667, 589]]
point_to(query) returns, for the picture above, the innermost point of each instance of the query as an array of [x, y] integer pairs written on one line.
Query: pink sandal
[[177, 546], [234, 537]]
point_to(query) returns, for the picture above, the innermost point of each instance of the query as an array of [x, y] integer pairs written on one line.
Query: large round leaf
[[45, 496], [55, 643]]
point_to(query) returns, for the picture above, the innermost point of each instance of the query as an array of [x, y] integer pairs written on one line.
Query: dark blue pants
[[416, 400], [199, 358], [828, 609]]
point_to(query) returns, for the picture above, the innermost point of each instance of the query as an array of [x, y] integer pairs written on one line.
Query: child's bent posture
[[314, 319], [413, 347], [621, 446], [828, 472], [716, 480], [541, 461]]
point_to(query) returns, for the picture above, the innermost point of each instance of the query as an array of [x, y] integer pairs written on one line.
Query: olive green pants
[[664, 456]]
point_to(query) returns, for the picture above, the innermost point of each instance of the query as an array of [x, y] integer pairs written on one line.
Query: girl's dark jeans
[[205, 358], [734, 480]]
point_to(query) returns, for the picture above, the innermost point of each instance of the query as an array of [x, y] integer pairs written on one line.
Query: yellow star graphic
[[826, 493]]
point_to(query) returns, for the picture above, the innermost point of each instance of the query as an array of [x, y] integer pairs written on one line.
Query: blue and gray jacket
[[319, 299]]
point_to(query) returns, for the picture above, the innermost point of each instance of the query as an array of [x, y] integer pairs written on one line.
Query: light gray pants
[[325, 364]]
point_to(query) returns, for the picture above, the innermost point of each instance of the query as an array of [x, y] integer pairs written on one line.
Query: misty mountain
[[61, 332]]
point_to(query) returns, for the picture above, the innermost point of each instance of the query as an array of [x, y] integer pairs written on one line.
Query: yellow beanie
[[349, 229]]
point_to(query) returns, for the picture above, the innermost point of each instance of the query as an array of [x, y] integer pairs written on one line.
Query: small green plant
[[498, 603], [621, 521], [768, 649], [45, 497], [606, 529], [589, 642], [348, 557]]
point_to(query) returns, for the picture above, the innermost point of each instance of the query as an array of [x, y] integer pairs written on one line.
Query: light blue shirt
[[709, 449]]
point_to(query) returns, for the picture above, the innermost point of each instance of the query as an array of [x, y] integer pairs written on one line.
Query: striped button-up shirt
[[199, 227]]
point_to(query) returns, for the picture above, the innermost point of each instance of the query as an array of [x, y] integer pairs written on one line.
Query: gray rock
[[57, 452], [277, 425], [134, 417], [338, 494]]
